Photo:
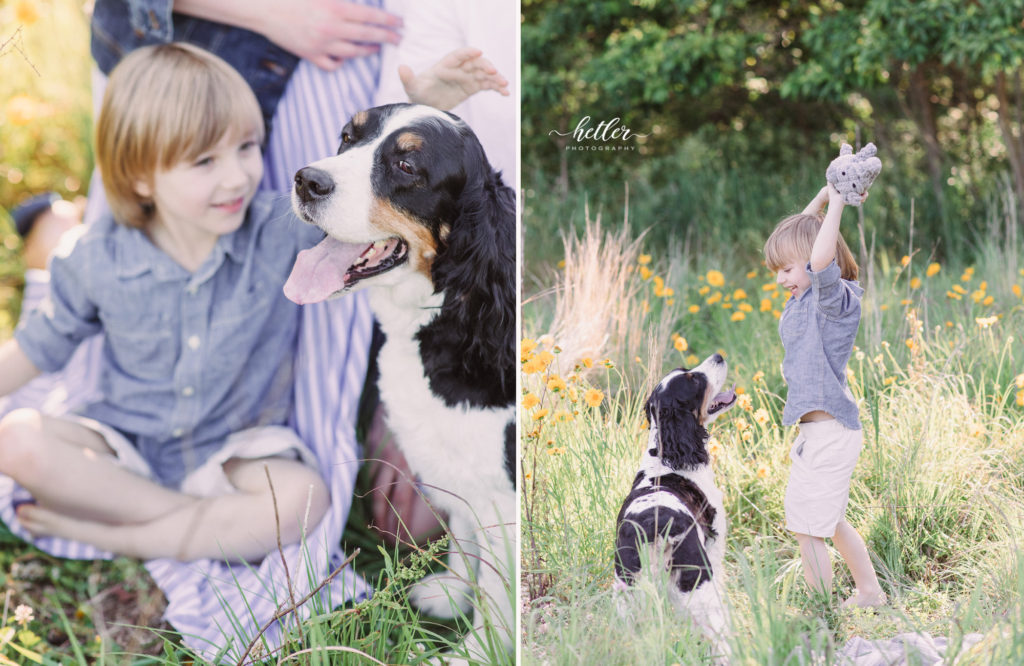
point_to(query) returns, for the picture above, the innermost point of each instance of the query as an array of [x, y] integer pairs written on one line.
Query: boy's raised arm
[[824, 249], [16, 369], [817, 203]]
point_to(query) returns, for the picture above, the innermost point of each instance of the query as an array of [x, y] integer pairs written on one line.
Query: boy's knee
[[20, 444], [308, 502]]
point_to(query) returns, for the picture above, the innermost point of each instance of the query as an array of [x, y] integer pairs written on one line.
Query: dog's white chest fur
[[456, 451]]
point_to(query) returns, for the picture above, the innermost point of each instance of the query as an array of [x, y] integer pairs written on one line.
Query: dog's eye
[[346, 137], [406, 167]]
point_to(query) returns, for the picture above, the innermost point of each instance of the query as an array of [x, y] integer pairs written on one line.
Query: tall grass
[[939, 374]]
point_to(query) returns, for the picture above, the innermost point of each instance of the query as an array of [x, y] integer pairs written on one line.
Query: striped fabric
[[216, 607]]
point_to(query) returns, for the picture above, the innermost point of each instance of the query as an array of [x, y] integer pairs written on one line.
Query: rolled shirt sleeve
[[67, 315], [830, 291]]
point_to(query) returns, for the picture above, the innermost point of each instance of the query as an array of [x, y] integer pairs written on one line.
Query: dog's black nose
[[312, 184], [717, 358]]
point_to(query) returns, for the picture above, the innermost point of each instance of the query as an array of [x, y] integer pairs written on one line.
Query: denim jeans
[[120, 26]]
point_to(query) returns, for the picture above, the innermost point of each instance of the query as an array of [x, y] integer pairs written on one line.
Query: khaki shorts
[[824, 455], [209, 479]]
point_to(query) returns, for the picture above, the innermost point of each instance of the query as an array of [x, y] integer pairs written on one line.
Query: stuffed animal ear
[[867, 151], [845, 149]]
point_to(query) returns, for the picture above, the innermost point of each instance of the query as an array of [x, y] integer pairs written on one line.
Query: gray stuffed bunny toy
[[852, 174]]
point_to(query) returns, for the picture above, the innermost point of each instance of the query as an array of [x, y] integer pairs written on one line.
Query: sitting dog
[[673, 517], [413, 210]]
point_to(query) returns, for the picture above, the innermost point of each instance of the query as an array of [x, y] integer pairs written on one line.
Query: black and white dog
[[413, 210], [673, 517]]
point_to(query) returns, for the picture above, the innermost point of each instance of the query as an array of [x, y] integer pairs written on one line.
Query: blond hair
[[163, 105], [793, 240]]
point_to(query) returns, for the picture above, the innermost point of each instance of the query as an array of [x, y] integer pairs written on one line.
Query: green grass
[[936, 493]]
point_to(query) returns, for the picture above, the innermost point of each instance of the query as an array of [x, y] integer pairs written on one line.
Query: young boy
[[818, 328], [184, 282]]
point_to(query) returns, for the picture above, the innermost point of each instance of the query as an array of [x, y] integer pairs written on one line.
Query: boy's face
[[208, 197], [793, 276]]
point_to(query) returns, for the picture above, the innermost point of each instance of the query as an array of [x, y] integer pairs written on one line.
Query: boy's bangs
[[203, 112]]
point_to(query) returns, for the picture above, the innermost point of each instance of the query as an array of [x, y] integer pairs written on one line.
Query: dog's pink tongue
[[320, 271]]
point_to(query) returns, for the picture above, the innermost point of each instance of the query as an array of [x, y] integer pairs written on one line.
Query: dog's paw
[[441, 594]]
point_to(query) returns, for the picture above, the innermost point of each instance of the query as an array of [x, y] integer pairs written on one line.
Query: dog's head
[[681, 406], [392, 201]]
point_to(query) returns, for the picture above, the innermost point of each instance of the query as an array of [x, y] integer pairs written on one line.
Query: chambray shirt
[[188, 358], [818, 330]]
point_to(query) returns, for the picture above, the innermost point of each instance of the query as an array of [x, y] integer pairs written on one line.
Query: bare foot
[[860, 599]]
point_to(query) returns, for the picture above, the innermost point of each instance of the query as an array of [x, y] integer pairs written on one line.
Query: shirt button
[[192, 289], [188, 391], [178, 432], [193, 342]]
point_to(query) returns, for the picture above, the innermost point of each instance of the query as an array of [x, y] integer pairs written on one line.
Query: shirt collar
[[135, 254]]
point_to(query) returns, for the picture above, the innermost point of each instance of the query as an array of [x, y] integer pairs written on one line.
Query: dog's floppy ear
[[475, 269], [673, 410]]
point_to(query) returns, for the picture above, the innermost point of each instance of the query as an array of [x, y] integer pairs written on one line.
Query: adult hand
[[453, 79], [325, 32]]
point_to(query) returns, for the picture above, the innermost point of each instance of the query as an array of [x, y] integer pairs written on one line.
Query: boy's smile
[[793, 276]]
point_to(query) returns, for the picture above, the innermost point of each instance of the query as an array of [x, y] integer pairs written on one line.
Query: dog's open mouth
[[333, 266], [722, 401]]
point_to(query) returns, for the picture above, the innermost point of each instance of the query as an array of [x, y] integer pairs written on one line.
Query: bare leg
[[817, 563], [851, 547], [236, 527], [69, 469]]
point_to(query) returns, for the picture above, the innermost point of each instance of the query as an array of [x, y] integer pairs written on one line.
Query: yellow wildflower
[[562, 416], [989, 300], [746, 435], [953, 295], [527, 345], [762, 471], [761, 416], [1016, 290], [680, 344], [593, 397], [25, 13], [587, 362], [745, 403], [693, 309], [530, 401], [556, 384], [932, 269], [915, 283], [766, 304], [1020, 398], [1018, 381], [643, 259], [545, 357], [905, 261], [533, 366], [540, 414], [759, 376], [751, 275], [888, 381], [715, 278], [714, 298], [714, 449], [746, 307], [704, 290], [771, 286], [739, 295], [645, 273], [905, 301], [691, 360], [738, 316]]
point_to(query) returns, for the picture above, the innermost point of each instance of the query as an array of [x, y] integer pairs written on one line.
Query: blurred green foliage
[[745, 103], [45, 118]]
